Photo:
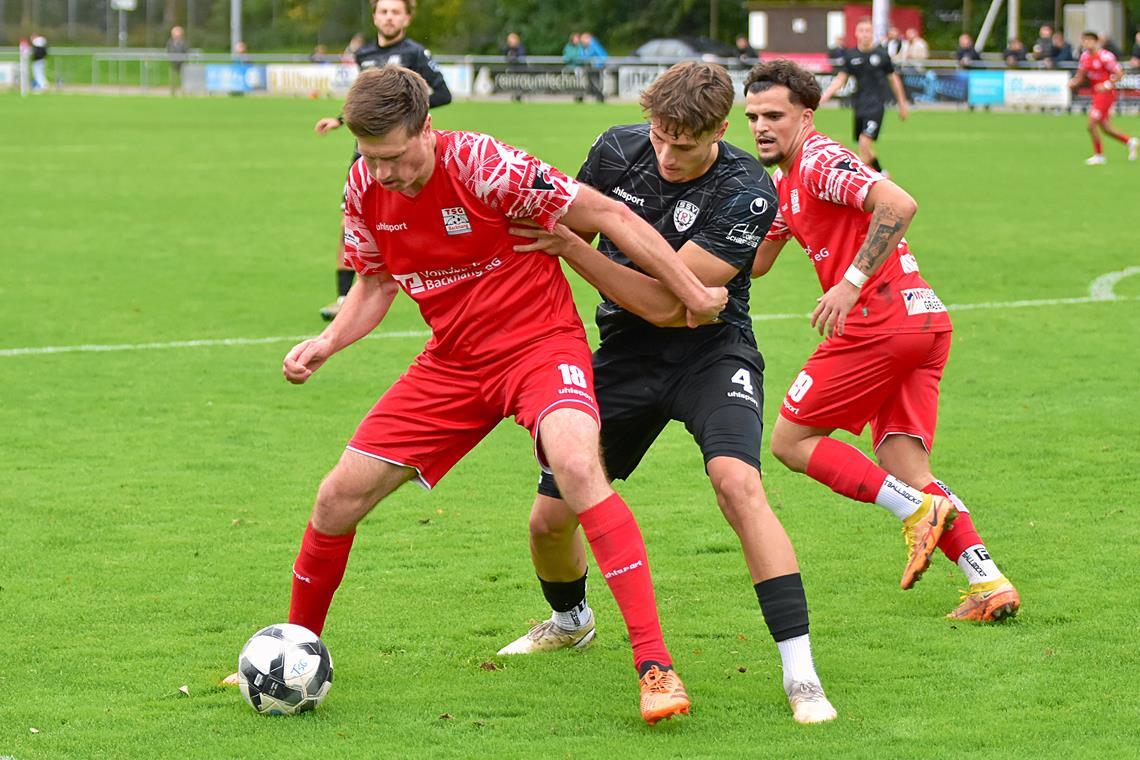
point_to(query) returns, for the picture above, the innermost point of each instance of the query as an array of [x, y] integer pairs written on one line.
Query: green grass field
[[152, 496]]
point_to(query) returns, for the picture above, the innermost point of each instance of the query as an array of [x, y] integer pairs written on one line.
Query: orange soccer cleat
[[988, 602], [922, 530], [662, 695]]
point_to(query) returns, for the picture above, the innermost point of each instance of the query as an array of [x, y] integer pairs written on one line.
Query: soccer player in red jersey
[[888, 338], [428, 212], [1100, 69]]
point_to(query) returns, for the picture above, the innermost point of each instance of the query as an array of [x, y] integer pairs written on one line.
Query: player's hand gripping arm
[[766, 256], [891, 209], [593, 212], [900, 95], [632, 290], [364, 307], [835, 86]]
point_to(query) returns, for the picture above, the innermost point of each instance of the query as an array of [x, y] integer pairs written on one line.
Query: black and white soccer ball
[[284, 669]]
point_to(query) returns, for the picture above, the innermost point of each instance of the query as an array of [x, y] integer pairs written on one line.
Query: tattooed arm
[[891, 209]]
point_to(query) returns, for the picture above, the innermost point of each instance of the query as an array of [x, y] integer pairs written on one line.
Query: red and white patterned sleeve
[[779, 229], [509, 180], [834, 174], [360, 249], [1111, 64]]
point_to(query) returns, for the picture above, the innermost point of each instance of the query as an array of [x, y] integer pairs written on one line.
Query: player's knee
[[551, 525], [575, 470], [740, 496], [338, 500], [787, 449]]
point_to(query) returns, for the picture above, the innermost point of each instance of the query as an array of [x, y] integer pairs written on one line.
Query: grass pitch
[[152, 498]]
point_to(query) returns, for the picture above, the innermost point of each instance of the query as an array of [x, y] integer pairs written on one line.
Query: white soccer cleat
[[809, 703], [547, 636], [1133, 147], [1096, 160]]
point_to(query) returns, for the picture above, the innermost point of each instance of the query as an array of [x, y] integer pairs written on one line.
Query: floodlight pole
[[988, 24], [235, 24], [122, 28], [880, 18]]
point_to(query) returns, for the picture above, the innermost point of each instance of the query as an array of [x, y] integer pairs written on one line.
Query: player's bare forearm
[[633, 291], [646, 248], [766, 256], [363, 309], [835, 86], [900, 95], [891, 212]]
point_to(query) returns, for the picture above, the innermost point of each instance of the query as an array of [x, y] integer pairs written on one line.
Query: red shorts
[[890, 381], [1102, 103], [438, 410]]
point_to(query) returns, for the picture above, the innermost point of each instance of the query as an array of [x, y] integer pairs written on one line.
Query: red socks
[[961, 534], [620, 553], [845, 470], [1096, 144], [316, 574]]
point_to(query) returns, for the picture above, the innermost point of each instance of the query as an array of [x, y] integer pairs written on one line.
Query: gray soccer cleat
[[809, 703], [547, 636]]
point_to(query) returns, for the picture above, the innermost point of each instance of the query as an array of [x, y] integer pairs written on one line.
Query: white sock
[[574, 619], [900, 499], [796, 656], [975, 562]]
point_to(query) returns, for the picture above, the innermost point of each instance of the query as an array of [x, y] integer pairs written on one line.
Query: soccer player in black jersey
[[714, 203], [875, 78], [391, 46]]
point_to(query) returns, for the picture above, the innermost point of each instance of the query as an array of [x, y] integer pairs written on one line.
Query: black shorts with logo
[[869, 123], [716, 389]]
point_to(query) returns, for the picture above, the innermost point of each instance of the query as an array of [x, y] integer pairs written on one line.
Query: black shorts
[[718, 394], [869, 123]]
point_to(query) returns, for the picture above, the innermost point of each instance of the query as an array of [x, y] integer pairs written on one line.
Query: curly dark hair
[[803, 90]]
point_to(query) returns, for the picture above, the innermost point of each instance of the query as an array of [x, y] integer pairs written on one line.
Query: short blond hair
[[385, 98], [692, 97]]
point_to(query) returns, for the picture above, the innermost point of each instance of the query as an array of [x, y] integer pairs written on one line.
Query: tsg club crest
[[684, 214], [455, 221]]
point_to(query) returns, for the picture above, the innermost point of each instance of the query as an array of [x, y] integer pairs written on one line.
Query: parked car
[[684, 48]]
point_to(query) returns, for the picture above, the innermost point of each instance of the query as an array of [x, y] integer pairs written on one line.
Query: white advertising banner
[[311, 79], [9, 74], [1037, 88]]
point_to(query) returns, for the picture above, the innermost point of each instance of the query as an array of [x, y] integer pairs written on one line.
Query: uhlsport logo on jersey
[[684, 214], [455, 221]]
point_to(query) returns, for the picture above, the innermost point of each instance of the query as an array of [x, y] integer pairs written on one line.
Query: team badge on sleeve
[[684, 214]]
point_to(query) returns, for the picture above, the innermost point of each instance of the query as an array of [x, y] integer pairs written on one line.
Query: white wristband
[[855, 277]]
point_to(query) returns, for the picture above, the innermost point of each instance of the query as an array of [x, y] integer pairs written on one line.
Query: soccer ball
[[284, 669]]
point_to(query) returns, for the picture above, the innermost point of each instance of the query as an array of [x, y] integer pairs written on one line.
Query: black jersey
[[411, 55], [727, 211], [870, 70]]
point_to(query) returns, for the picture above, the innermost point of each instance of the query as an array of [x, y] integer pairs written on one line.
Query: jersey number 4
[[743, 378]]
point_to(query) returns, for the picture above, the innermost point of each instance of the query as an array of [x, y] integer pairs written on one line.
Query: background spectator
[[515, 52], [893, 43], [836, 54], [1014, 54], [744, 51], [39, 62], [966, 54], [1043, 48], [241, 52], [1062, 51], [915, 50], [594, 55], [318, 54], [572, 50], [177, 49], [1136, 51]]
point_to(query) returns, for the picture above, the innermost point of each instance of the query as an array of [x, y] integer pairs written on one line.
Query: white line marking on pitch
[[1100, 290]]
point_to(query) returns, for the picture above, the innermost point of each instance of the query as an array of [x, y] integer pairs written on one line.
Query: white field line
[[1100, 290]]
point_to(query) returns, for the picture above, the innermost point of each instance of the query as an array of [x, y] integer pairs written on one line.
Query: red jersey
[[821, 206], [449, 249], [1098, 67]]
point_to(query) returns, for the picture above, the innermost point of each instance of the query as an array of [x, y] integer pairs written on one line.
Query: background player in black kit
[[714, 204], [874, 73], [391, 46]]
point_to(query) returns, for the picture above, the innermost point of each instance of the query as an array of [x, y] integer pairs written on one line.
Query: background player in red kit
[[888, 337], [1102, 71], [428, 212]]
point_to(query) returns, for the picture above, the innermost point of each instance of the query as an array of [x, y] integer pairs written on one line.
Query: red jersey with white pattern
[[821, 206], [1099, 66], [449, 249]]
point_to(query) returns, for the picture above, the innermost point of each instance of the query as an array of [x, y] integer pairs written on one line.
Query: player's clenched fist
[[708, 310], [304, 359]]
